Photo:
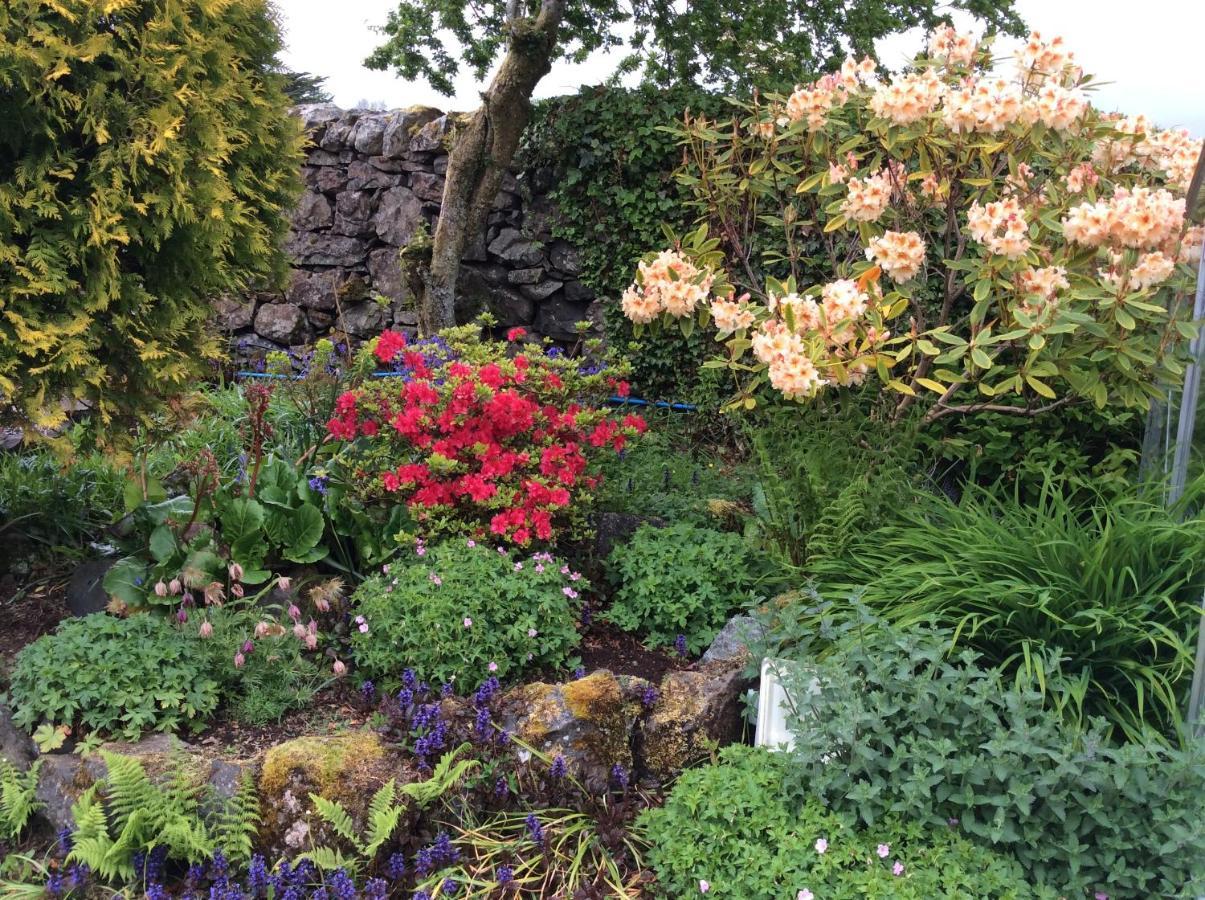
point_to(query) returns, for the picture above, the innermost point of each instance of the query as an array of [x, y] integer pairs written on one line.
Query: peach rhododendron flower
[[1000, 226], [774, 341], [795, 376], [1141, 218], [731, 315], [1039, 57], [804, 312], [899, 253], [868, 197], [909, 98], [952, 48], [669, 283]]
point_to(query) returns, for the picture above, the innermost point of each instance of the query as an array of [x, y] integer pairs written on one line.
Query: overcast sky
[[1147, 50]]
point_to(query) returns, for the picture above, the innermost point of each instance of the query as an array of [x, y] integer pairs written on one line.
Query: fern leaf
[[337, 817], [328, 859]]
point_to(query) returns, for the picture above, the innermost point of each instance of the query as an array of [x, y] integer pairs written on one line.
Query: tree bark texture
[[481, 153]]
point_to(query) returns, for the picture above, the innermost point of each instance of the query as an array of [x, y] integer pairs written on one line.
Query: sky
[[1147, 59]]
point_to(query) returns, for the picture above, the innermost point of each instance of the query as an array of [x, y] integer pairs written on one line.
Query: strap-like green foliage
[[385, 812], [17, 798], [138, 814], [146, 162]]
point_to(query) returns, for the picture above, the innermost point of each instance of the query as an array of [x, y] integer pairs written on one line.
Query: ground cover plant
[[900, 726]]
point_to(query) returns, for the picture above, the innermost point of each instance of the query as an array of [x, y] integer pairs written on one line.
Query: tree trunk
[[483, 150]]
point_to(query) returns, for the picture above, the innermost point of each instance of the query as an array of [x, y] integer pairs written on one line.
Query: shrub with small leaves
[[895, 727], [727, 829], [679, 580], [461, 610], [115, 676]]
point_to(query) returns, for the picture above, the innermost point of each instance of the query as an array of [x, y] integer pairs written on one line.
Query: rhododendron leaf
[[900, 387], [1040, 387], [981, 359], [810, 183], [1037, 342], [935, 386], [1124, 319], [834, 223]]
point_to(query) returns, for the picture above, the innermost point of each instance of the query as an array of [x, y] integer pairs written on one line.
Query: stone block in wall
[[512, 246], [557, 317], [231, 314], [385, 164], [314, 290], [325, 179], [432, 136], [318, 249], [320, 321], [484, 287], [402, 126], [525, 276], [353, 213], [313, 212], [335, 136], [399, 213], [364, 319], [427, 186], [506, 200], [385, 269], [283, 323], [322, 158], [440, 165], [565, 258], [577, 292], [364, 176], [316, 115], [368, 136], [416, 162], [541, 290]]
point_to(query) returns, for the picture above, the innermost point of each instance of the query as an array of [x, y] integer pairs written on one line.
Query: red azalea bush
[[480, 437]]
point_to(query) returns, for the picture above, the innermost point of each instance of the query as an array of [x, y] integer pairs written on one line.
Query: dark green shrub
[[43, 500], [1115, 588], [148, 163], [614, 185], [729, 825], [459, 608], [118, 677], [898, 729], [678, 580]]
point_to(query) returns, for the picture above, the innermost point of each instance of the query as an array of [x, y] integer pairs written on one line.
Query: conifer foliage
[[147, 164]]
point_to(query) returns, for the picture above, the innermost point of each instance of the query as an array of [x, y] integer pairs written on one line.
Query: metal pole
[[1184, 434]]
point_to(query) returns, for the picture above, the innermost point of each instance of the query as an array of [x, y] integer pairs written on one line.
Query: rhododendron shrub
[[480, 438], [979, 236]]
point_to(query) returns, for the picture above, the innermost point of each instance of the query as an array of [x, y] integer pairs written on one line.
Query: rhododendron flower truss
[[1041, 250], [485, 443]]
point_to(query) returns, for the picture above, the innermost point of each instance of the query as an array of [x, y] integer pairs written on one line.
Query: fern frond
[[329, 859], [18, 798], [236, 822], [337, 817], [384, 813]]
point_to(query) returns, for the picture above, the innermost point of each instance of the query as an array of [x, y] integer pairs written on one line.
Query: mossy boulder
[[589, 721], [696, 710], [347, 768]]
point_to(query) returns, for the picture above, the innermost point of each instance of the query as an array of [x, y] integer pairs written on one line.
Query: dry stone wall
[[373, 180]]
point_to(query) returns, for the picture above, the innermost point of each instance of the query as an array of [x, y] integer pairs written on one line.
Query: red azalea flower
[[389, 344], [515, 333]]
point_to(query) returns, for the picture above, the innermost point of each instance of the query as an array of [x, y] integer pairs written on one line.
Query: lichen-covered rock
[[313, 212], [399, 215], [347, 768], [734, 639], [62, 777], [233, 315], [696, 710], [588, 721]]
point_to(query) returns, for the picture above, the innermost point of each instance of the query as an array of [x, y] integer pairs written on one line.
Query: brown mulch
[[327, 713], [606, 647], [30, 606]]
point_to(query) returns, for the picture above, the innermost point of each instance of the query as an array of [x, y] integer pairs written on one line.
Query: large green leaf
[[162, 543], [295, 531], [126, 580], [242, 519]]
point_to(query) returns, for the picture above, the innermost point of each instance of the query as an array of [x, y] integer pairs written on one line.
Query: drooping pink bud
[[311, 641], [236, 572], [206, 630], [236, 590], [339, 668], [284, 583], [175, 586], [239, 660], [181, 615], [261, 629], [160, 588], [294, 612], [299, 631]]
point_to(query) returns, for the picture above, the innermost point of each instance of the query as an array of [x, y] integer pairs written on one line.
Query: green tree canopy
[[716, 43]]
